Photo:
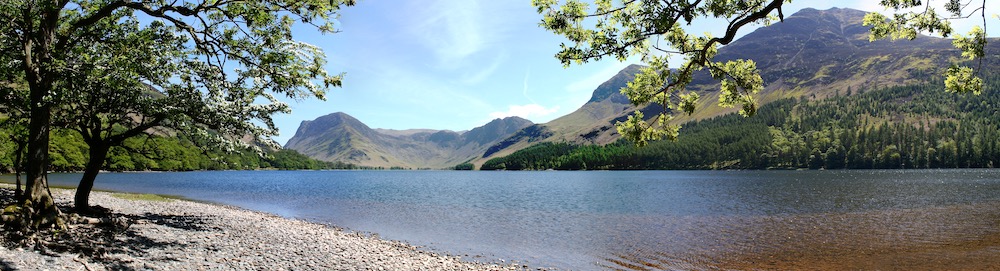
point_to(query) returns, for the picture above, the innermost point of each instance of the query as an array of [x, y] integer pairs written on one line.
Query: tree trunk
[[38, 209], [98, 153], [18, 168], [42, 209]]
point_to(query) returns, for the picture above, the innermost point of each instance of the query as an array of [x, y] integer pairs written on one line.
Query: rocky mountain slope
[[812, 54], [340, 137]]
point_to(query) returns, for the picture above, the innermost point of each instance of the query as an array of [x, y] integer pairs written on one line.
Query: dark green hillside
[[158, 153], [900, 127]]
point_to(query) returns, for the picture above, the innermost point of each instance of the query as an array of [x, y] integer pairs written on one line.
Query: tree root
[[83, 262], [79, 234]]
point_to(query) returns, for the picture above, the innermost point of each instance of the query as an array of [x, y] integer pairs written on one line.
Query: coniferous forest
[[918, 126]]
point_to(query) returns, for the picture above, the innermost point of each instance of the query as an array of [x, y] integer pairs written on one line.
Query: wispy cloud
[[524, 90], [480, 74], [452, 29], [525, 111]]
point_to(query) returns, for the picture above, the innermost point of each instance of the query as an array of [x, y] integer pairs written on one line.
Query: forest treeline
[[69, 153], [918, 126]]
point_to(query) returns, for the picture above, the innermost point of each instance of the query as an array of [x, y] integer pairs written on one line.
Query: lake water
[[867, 219]]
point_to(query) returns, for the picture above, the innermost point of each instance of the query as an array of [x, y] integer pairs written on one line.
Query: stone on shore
[[186, 235]]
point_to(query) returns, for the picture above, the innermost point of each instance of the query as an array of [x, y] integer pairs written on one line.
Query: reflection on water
[[935, 238], [643, 220]]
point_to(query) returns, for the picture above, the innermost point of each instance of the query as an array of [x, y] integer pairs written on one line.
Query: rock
[[185, 235]]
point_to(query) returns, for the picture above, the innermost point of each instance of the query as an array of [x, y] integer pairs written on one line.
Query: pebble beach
[[172, 234]]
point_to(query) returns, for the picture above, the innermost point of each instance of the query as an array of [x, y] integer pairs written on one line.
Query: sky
[[457, 64]]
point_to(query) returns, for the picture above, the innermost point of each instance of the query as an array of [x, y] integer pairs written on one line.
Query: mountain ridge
[[812, 54], [339, 137]]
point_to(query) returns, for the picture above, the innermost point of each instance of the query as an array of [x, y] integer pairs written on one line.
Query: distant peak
[[613, 85], [334, 119], [514, 118], [632, 67], [833, 10], [510, 119], [336, 115]]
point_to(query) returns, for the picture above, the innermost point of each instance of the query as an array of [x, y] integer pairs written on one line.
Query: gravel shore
[[168, 234]]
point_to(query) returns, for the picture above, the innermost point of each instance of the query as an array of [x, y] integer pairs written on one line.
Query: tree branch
[[734, 27], [137, 130], [95, 17]]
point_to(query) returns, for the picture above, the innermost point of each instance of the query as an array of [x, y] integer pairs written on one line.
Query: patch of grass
[[143, 197], [870, 62]]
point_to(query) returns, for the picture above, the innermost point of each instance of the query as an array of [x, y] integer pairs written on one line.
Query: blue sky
[[457, 64]]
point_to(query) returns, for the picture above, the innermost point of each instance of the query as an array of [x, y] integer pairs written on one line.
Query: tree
[[835, 157], [465, 166], [906, 25], [228, 55], [15, 134], [654, 31], [13, 120], [816, 159], [631, 27]]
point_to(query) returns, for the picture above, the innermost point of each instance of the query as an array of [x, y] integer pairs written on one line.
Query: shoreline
[[946, 234], [179, 234]]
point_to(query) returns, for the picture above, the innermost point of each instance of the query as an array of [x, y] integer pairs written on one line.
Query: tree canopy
[[113, 69], [654, 30], [908, 24], [869, 130]]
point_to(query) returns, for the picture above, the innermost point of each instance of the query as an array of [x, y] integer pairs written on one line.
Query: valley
[[812, 56]]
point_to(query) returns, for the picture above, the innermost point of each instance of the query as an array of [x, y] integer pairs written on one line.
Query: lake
[[631, 220]]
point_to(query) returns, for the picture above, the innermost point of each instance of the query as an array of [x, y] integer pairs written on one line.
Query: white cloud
[[451, 29], [455, 30], [525, 111]]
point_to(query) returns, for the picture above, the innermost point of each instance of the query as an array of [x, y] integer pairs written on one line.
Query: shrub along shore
[[152, 232]]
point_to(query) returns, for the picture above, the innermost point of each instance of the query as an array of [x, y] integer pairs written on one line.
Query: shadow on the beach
[[103, 242], [100, 246], [182, 222], [6, 266], [6, 197]]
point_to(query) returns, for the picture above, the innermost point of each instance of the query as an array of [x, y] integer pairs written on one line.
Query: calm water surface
[[631, 219]]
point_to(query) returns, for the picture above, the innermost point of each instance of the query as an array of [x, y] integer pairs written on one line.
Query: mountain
[[342, 138], [830, 48], [812, 54], [912, 126]]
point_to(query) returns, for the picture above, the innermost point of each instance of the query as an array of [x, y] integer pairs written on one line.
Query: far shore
[[166, 233]]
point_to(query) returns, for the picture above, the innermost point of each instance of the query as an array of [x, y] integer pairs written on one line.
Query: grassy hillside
[[340, 137], [917, 126], [813, 54]]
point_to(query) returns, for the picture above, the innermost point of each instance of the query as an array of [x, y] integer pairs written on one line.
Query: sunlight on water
[[643, 220]]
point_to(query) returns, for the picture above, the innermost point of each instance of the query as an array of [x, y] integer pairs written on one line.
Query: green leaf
[[963, 80]]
